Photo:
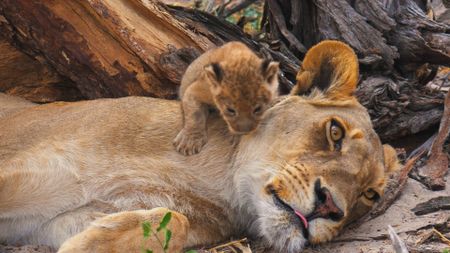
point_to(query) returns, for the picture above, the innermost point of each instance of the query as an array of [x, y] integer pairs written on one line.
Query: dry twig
[[442, 237]]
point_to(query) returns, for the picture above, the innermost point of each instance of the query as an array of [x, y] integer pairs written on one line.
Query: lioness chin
[[86, 175]]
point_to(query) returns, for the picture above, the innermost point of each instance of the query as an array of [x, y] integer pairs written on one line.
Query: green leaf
[[167, 239], [446, 251], [147, 228], [191, 251], [165, 220], [148, 251]]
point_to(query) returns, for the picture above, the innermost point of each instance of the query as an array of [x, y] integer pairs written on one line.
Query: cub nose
[[325, 206], [245, 125]]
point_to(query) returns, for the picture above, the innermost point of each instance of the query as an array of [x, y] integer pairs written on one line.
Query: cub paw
[[188, 143]]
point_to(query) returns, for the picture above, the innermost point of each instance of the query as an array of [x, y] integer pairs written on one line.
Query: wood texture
[[21, 75], [432, 205]]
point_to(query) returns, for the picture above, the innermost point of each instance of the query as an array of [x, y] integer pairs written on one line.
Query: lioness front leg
[[192, 137], [123, 232]]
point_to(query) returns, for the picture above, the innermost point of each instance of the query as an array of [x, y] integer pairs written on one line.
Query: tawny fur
[[231, 79], [338, 60], [87, 167]]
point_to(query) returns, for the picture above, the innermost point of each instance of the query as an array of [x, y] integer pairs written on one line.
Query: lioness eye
[[231, 111], [257, 110], [371, 195], [336, 133]]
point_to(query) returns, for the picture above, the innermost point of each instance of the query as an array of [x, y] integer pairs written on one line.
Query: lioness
[[90, 173]]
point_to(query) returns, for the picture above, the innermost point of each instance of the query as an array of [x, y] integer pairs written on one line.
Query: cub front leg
[[123, 232], [192, 137]]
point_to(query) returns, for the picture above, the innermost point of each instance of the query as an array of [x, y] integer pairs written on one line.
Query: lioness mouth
[[280, 203], [324, 207]]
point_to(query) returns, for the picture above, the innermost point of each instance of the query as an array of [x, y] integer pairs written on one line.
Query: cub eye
[[257, 110], [372, 195], [335, 134], [230, 111]]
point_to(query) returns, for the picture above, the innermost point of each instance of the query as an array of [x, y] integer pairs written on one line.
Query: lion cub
[[232, 79]]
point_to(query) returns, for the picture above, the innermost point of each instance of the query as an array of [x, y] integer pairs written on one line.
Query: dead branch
[[433, 172], [278, 17], [242, 5]]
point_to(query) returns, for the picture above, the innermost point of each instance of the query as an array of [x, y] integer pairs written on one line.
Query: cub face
[[243, 92]]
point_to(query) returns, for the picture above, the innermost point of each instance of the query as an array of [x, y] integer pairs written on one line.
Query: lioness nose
[[325, 206]]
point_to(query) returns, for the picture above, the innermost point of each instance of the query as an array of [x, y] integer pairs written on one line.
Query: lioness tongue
[[304, 220]]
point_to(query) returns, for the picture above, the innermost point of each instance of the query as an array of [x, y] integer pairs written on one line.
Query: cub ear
[[331, 67], [214, 72], [270, 71]]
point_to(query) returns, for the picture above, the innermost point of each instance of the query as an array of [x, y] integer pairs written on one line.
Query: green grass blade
[[165, 220], [167, 239], [147, 228]]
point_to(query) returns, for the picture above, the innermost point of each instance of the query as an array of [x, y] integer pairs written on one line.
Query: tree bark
[[21, 75]]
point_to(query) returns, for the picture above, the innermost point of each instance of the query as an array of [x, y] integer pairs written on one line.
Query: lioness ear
[[391, 163], [330, 67], [214, 72], [270, 70]]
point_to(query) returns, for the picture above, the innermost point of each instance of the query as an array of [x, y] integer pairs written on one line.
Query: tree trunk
[[114, 48]]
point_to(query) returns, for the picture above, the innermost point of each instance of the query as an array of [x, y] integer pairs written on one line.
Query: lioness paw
[[123, 232], [189, 143]]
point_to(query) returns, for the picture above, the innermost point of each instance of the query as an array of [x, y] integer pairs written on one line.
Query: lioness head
[[317, 163]]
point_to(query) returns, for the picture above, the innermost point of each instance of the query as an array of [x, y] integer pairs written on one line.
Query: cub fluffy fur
[[232, 79]]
